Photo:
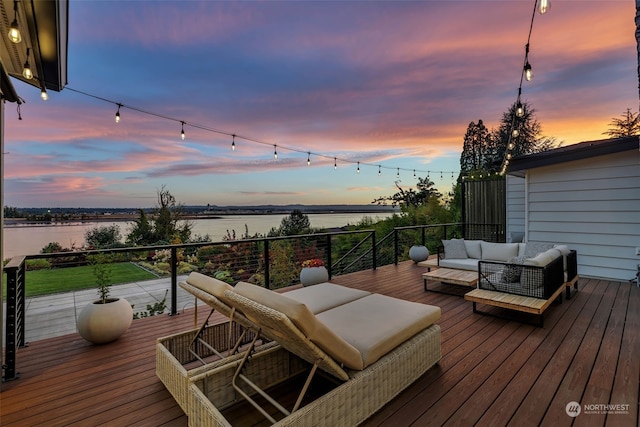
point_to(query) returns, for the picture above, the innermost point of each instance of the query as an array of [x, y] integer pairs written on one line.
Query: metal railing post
[[266, 265], [328, 260], [15, 316], [174, 281], [396, 245], [374, 252]]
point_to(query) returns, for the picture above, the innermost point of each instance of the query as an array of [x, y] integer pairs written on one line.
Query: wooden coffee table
[[451, 276]]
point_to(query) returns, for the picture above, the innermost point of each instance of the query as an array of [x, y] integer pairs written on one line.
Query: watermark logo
[[573, 409]]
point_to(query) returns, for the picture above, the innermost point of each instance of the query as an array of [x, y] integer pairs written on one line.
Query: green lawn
[[42, 282]]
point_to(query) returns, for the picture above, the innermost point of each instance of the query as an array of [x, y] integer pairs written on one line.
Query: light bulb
[[511, 146], [182, 132], [233, 142], [275, 152], [43, 94], [519, 110], [528, 72], [515, 133], [26, 71], [118, 114], [379, 171], [308, 159], [358, 170], [398, 174], [335, 163], [14, 32], [545, 6]]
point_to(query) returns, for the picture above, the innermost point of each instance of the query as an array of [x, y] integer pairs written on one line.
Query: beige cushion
[[474, 248], [376, 324], [323, 296], [544, 258], [304, 319], [210, 285], [499, 251]]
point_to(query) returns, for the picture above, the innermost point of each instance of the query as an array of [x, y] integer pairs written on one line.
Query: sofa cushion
[[544, 258], [534, 248], [323, 296], [474, 248], [210, 285], [455, 249], [499, 251], [376, 324], [304, 319], [460, 264]]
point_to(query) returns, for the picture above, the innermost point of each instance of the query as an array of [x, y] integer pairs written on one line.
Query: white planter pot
[[313, 275], [418, 253], [103, 323]]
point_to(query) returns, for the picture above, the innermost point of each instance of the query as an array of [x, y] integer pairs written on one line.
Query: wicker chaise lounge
[[375, 346]]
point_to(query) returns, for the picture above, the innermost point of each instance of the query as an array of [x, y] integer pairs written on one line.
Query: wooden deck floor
[[493, 372]]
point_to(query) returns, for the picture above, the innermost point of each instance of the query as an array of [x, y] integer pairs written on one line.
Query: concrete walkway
[[54, 315]]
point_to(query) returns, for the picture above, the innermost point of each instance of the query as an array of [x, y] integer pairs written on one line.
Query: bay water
[[30, 239]]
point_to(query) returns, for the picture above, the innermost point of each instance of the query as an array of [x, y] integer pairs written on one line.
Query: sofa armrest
[[440, 253], [572, 265], [526, 280]]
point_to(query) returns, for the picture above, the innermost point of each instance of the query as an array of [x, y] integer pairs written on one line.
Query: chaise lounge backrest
[[281, 328]]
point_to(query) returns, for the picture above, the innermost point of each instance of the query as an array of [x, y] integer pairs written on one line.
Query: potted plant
[[313, 272], [106, 319]]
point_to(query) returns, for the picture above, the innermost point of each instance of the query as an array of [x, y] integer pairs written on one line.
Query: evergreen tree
[[628, 125], [295, 224], [475, 150], [528, 139], [142, 232]]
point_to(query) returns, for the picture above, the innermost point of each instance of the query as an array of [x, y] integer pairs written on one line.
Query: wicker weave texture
[[348, 404], [212, 391], [172, 353]]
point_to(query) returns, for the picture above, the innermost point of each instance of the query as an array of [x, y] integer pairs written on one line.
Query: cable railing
[[272, 262]]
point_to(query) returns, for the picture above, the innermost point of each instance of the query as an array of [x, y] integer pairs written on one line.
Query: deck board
[[493, 371]]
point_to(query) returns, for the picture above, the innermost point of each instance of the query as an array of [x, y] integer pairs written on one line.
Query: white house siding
[[515, 205], [593, 205]]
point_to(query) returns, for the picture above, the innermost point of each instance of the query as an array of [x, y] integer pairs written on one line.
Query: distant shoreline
[[132, 216]]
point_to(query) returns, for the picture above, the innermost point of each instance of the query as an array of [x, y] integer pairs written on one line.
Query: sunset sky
[[384, 83]]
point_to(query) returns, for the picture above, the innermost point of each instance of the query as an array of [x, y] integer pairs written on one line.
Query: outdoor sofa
[[510, 258], [373, 346]]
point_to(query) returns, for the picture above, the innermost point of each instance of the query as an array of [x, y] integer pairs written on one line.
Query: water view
[[30, 239]]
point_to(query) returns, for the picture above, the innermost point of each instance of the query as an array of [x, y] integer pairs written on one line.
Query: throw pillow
[[454, 249], [512, 271], [534, 248]]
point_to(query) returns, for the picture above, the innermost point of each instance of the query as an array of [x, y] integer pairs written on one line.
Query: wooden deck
[[493, 372]]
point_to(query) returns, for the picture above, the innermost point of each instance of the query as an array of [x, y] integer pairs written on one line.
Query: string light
[[234, 135], [528, 72], [545, 6], [14, 29], [309, 159], [43, 92], [118, 113], [26, 70]]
